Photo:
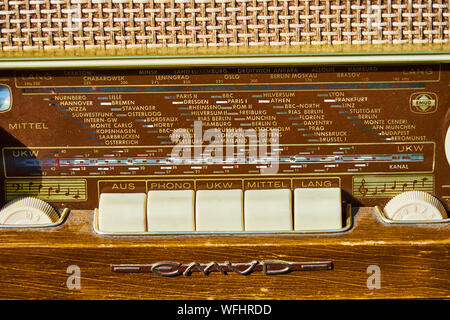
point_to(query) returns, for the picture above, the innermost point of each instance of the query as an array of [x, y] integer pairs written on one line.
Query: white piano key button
[[171, 210], [317, 209], [122, 212], [268, 210], [218, 210]]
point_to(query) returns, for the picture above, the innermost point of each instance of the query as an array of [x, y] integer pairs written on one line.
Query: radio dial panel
[[230, 148]]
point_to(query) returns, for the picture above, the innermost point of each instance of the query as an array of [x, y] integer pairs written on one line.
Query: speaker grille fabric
[[62, 24]]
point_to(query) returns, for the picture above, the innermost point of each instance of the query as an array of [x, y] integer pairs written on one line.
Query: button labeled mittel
[[218, 210], [122, 212], [268, 210], [317, 209], [170, 210]]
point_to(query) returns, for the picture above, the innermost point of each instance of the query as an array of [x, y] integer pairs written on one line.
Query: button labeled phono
[[170, 210]]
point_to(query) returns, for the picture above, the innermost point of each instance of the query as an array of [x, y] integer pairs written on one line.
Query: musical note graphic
[[375, 192], [47, 189], [404, 186], [379, 186], [362, 189], [423, 181], [394, 185]]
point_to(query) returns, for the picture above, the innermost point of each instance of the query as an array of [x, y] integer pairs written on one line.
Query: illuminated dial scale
[[361, 129], [139, 161]]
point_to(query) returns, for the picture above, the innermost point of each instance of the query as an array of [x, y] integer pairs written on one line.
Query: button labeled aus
[[122, 212]]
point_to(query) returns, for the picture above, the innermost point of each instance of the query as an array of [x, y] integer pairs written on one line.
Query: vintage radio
[[206, 149]]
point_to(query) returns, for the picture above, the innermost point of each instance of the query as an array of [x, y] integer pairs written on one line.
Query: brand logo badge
[[423, 102], [267, 267]]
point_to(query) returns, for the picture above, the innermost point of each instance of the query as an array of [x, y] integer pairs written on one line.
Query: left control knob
[[447, 145], [28, 211]]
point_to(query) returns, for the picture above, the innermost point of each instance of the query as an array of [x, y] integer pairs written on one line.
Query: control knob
[[414, 205], [447, 145], [28, 211]]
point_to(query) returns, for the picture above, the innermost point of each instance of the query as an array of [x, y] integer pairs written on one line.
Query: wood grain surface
[[413, 260]]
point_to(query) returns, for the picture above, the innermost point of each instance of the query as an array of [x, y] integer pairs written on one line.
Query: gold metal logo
[[423, 102]]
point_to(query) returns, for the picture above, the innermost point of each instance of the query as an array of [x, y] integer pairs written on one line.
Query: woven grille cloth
[[37, 24]]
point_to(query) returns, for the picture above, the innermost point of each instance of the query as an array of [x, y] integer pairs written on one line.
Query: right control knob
[[414, 205], [447, 145]]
